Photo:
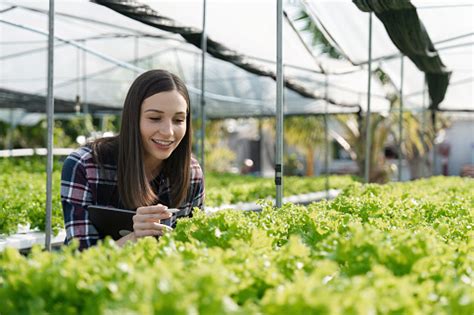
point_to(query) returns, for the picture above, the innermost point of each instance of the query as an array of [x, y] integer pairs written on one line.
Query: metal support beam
[[367, 120], [279, 108], [326, 136], [424, 158], [203, 91], [400, 122], [11, 130], [50, 113], [433, 123]]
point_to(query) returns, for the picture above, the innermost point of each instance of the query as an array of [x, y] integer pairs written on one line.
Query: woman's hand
[[146, 222]]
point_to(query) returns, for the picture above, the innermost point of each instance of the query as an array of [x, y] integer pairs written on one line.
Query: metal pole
[[279, 109], [50, 113], [203, 101], [423, 130], [400, 122], [326, 137], [367, 127], [11, 130], [433, 123], [260, 146], [77, 107]]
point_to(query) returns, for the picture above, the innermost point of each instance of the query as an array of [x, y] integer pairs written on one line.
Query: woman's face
[[162, 126]]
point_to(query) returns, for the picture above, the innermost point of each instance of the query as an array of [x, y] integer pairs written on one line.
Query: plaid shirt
[[84, 183]]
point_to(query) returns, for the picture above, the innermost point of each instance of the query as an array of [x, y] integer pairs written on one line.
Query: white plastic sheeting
[[115, 44], [450, 25]]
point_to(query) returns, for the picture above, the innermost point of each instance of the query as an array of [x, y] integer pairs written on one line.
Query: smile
[[162, 142]]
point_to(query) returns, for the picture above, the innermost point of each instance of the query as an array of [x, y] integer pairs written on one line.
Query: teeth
[[162, 142]]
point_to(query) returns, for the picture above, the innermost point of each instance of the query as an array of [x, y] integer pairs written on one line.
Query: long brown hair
[[133, 186]]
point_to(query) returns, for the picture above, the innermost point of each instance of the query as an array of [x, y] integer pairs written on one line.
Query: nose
[[166, 128]]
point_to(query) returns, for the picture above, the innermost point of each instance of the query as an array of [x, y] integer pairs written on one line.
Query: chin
[[160, 155], [163, 155]]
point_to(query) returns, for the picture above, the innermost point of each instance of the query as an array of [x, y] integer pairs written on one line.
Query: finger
[[163, 227], [144, 233], [152, 209], [173, 210], [140, 226], [151, 217]]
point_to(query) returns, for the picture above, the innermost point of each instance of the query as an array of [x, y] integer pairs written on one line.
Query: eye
[[155, 118]]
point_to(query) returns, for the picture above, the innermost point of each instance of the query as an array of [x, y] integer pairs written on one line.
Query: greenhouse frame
[[254, 59]]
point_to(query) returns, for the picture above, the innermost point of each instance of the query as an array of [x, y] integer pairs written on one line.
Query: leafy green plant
[[409, 243], [23, 198], [402, 248], [24, 201], [231, 189]]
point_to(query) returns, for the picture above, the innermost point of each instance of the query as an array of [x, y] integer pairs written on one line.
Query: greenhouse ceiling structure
[[98, 53], [448, 23]]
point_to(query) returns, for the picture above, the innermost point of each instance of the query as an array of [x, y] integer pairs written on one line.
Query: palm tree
[[352, 138], [318, 41], [352, 134], [305, 134], [417, 138]]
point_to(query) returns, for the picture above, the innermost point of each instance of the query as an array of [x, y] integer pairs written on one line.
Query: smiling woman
[[162, 127], [148, 167]]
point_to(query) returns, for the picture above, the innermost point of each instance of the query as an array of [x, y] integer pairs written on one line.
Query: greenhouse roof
[[449, 25], [98, 53]]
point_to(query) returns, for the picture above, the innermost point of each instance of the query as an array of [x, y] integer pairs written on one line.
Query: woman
[[147, 167]]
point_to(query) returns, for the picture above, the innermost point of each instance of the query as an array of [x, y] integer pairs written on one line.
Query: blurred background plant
[[69, 132]]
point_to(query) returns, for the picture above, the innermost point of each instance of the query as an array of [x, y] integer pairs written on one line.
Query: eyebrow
[[162, 112]]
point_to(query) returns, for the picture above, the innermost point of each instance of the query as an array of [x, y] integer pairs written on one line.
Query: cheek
[[145, 128], [141, 125], [181, 131]]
